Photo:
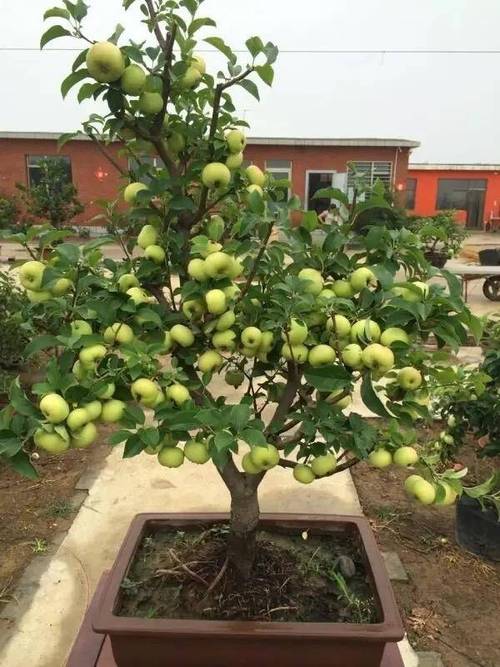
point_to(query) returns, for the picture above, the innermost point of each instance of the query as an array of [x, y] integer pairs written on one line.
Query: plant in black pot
[[441, 236]]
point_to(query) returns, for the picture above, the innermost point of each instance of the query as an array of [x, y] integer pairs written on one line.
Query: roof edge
[[440, 166]]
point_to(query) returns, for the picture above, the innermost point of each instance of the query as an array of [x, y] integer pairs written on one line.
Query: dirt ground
[[451, 603], [31, 512]]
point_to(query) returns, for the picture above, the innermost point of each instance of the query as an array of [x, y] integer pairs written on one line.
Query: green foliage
[[9, 212], [13, 337], [439, 233]]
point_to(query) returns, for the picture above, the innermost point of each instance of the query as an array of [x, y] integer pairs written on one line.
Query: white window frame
[[317, 171]]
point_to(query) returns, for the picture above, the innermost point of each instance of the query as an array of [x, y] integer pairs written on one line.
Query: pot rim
[[390, 629]]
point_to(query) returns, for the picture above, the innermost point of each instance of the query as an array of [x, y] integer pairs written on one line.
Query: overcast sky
[[450, 103]]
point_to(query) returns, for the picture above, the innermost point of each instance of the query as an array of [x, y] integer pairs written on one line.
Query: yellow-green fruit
[[218, 264], [196, 270], [361, 278], [181, 335], [155, 253], [215, 175], [405, 456], [450, 495], [38, 297], [251, 337], [363, 330], [255, 175], [130, 192], [297, 332], [191, 78], [176, 142], [93, 409], [341, 403], [171, 457], [380, 458], [255, 188], [266, 342], [61, 287], [321, 355], [178, 393], [234, 161], [147, 236], [265, 457], [119, 332], [303, 474], [215, 228], [112, 411], [77, 418], [216, 301], [196, 452], [313, 281], [410, 483], [210, 248], [297, 353], [209, 361], [339, 325], [249, 466], [105, 62], [79, 371], [133, 80], [144, 390], [31, 275], [198, 62], [424, 492], [225, 321], [409, 378], [90, 356], [138, 295], [127, 281], [343, 289], [378, 358], [54, 408], [224, 340], [193, 309], [150, 103], [393, 335], [50, 442], [323, 465], [84, 437], [236, 141]]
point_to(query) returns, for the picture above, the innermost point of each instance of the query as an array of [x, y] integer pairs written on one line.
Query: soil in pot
[[296, 577]]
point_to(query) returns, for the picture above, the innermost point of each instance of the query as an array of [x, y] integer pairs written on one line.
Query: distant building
[[310, 164]]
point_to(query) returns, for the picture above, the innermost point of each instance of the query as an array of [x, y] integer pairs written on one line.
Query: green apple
[[409, 378], [449, 497], [266, 342], [393, 335], [313, 279], [321, 355], [224, 340], [215, 175], [147, 236], [105, 62], [167, 343], [127, 281], [361, 278], [447, 438], [193, 309], [138, 295], [216, 301], [251, 337], [339, 403], [249, 352], [405, 456], [323, 465], [410, 483], [325, 296], [178, 393], [255, 175], [182, 335], [365, 330], [90, 356], [130, 192], [77, 418], [196, 452], [249, 466], [196, 270], [236, 268], [84, 437], [112, 411], [145, 391], [255, 188], [210, 248], [62, 287], [340, 325], [378, 358], [171, 457], [215, 227], [93, 410], [210, 361], [155, 253], [119, 332], [133, 80], [54, 408], [38, 297], [234, 161], [297, 332], [297, 353], [31, 275], [380, 458], [226, 321], [51, 442], [265, 457], [236, 141], [176, 142], [234, 378], [424, 492], [231, 292], [343, 289], [191, 78], [218, 264], [150, 103], [198, 62], [79, 371], [315, 319], [352, 356], [303, 474]]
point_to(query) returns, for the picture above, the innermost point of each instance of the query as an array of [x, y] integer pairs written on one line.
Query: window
[[454, 193], [280, 170], [34, 167], [370, 173], [317, 180], [411, 191]]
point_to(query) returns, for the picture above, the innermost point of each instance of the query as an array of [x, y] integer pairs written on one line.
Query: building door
[[317, 180], [475, 209], [463, 194]]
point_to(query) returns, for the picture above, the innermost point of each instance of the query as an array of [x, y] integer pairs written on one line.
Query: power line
[[317, 51]]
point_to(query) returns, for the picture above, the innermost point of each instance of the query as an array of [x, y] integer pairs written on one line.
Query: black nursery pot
[[437, 259], [478, 531]]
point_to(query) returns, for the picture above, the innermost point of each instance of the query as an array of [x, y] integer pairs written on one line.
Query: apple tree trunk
[[243, 529]]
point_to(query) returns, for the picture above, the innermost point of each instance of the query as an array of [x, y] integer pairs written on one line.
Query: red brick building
[[473, 189], [309, 164]]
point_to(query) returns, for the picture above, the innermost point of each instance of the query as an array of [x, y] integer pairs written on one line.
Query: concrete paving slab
[[394, 566], [429, 659]]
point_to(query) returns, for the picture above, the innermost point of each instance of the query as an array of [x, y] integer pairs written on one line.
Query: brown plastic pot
[[198, 643]]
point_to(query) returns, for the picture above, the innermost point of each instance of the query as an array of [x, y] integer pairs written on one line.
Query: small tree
[[232, 328], [53, 198]]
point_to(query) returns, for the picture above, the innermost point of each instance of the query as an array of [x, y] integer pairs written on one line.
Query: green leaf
[[133, 447], [224, 440], [190, 5], [239, 416], [135, 413], [79, 60], [10, 443], [266, 73], [67, 136], [454, 283], [253, 437], [118, 436], [271, 52], [40, 343], [149, 436], [483, 489], [310, 220], [250, 87], [56, 12], [22, 464], [200, 23], [371, 399], [54, 32], [69, 252], [78, 10], [328, 378], [20, 403], [87, 90], [332, 193], [119, 30], [255, 46], [221, 46]]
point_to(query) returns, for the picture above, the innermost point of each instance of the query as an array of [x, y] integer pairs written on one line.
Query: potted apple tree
[[228, 338]]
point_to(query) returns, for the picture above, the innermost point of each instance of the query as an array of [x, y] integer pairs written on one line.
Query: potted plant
[[441, 236], [243, 350]]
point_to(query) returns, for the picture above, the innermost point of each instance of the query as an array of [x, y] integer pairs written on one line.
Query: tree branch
[[286, 401], [156, 27], [110, 158], [285, 463], [256, 263]]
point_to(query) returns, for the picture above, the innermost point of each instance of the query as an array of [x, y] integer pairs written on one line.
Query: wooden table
[[94, 650], [470, 272]]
